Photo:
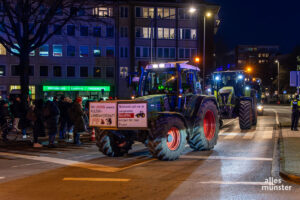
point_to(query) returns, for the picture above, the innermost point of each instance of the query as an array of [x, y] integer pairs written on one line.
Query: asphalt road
[[235, 169]]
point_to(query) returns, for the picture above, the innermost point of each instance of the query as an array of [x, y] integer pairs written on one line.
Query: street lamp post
[[278, 68], [206, 15]]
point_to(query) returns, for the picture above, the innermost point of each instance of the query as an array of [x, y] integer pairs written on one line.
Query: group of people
[[55, 116]]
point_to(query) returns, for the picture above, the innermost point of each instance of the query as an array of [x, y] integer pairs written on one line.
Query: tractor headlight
[[260, 107], [240, 77], [247, 88], [217, 78], [155, 66], [161, 65]]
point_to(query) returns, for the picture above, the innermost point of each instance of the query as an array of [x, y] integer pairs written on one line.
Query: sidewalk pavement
[[290, 154]]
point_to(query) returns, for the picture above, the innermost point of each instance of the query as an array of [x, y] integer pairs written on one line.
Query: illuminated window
[[97, 71], [44, 50], [103, 12], [84, 51], [2, 50], [57, 50], [187, 34], [166, 13], [2, 70], [166, 33], [97, 51], [32, 91]]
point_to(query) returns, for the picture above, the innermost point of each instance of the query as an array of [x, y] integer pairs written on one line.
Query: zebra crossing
[[263, 131]]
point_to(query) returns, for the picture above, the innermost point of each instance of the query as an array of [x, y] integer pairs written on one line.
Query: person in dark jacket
[[4, 115], [16, 110], [51, 115], [38, 126], [77, 118], [295, 104], [62, 105]]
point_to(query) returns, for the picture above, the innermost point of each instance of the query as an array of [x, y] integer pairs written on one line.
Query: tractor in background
[[177, 113], [236, 97]]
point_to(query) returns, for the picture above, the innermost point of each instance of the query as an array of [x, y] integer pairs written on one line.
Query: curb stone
[[295, 178]]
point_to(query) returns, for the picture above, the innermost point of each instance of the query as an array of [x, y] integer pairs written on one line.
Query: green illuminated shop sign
[[76, 88]]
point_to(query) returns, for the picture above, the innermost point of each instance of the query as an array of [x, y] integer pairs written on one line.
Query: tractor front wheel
[[111, 144], [168, 138], [206, 127], [245, 115]]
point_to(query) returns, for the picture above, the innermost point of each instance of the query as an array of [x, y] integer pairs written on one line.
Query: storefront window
[[32, 91]]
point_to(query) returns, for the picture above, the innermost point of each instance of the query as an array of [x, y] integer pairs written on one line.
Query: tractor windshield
[[160, 82]]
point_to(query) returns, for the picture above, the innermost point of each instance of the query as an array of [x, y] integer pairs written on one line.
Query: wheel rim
[[173, 138], [209, 125]]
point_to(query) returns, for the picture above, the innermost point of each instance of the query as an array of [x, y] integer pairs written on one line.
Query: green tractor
[[236, 97], [177, 113]]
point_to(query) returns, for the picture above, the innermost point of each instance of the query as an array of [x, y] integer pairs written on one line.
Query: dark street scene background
[[161, 99]]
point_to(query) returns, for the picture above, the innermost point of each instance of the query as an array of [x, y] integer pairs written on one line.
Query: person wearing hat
[[295, 103], [77, 118]]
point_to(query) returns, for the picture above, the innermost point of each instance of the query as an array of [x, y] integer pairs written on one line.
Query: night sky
[[265, 22]]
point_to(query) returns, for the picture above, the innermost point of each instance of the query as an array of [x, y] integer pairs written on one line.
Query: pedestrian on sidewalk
[[15, 108], [4, 117], [62, 105], [76, 115], [51, 115], [69, 104], [38, 126], [295, 113]]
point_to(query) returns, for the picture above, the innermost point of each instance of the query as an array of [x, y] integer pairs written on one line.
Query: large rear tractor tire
[[168, 138], [206, 128], [110, 143], [245, 115]]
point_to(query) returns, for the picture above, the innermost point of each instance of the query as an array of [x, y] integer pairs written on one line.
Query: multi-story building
[[256, 55], [93, 59]]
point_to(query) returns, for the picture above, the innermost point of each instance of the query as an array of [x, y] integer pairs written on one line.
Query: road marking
[[277, 118], [249, 136], [267, 134], [137, 164], [235, 183], [95, 167], [72, 163], [229, 136], [97, 179], [226, 158], [229, 122]]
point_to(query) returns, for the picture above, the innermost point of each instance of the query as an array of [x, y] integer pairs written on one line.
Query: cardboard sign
[[103, 114], [132, 115]]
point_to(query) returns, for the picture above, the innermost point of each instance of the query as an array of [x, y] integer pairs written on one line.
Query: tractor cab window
[[188, 81], [160, 83]]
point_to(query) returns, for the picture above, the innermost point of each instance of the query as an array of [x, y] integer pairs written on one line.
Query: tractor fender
[[195, 103], [174, 114]]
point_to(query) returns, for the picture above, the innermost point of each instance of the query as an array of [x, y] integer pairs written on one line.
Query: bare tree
[[24, 26]]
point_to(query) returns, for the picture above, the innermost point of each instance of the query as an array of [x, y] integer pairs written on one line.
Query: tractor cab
[[174, 82], [228, 88]]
